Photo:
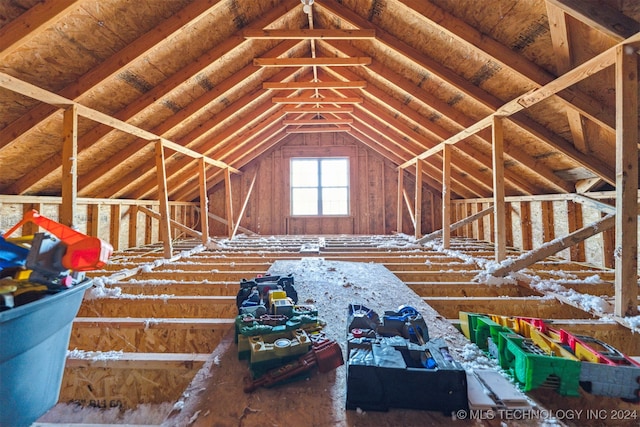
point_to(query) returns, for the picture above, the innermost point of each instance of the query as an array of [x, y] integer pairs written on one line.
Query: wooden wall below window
[[374, 189]]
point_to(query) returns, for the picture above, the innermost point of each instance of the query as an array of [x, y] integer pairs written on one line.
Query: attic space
[[469, 164]]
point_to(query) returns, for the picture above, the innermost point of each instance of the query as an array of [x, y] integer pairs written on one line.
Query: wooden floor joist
[[160, 306], [148, 335], [183, 308]]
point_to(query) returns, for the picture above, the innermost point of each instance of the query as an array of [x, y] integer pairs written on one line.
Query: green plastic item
[[487, 328], [533, 368]]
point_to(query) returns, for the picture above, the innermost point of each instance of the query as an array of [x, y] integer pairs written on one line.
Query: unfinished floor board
[[168, 287], [148, 335], [468, 289], [125, 380], [160, 306], [545, 308], [330, 280], [214, 275]]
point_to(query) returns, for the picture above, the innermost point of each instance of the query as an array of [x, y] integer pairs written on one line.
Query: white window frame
[[319, 187]]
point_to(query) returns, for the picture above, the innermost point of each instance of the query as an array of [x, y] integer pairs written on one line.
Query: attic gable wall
[[374, 191]]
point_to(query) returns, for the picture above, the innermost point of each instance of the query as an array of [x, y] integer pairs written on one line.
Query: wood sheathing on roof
[[195, 73]]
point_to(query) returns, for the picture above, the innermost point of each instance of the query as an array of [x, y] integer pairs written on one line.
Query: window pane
[[335, 172], [304, 201], [304, 173], [335, 201]]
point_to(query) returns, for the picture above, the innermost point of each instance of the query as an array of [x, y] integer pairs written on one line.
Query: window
[[320, 186]]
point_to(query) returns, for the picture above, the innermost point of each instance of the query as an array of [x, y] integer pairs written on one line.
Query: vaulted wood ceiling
[[231, 79]]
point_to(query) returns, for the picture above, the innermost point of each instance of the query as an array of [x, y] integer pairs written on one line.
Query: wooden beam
[[555, 246], [31, 24], [225, 222], [399, 201], [194, 154], [319, 109], [600, 16], [204, 200], [311, 62], [310, 100], [626, 252], [309, 34], [498, 189], [165, 229], [114, 227], [32, 91], [459, 224], [173, 223], [329, 121], [228, 202], [117, 62], [579, 73], [418, 199], [244, 205], [360, 84], [407, 201], [560, 38], [69, 166], [310, 129], [446, 196]]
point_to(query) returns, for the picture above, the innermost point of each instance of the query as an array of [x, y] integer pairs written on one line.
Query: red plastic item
[[83, 252]]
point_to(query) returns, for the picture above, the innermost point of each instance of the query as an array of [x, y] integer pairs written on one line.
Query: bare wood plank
[[135, 360], [310, 129], [228, 202], [626, 301], [69, 166], [311, 62], [319, 109], [450, 307], [204, 200], [173, 322], [553, 247], [358, 84], [114, 227], [498, 189], [244, 205], [418, 199], [601, 16], [458, 224], [31, 24], [173, 223], [399, 220], [608, 247], [409, 207], [330, 121], [446, 196], [310, 100], [310, 34], [93, 220], [133, 226], [574, 220], [32, 91], [161, 173], [548, 228]]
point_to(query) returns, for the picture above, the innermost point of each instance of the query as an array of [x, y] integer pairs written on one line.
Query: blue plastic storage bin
[[33, 345]]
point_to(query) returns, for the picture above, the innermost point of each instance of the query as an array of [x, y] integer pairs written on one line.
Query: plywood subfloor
[[216, 397]]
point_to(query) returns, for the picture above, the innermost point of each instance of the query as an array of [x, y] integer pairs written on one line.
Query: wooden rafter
[[299, 100], [317, 129], [315, 85], [459, 120], [31, 24], [308, 34], [311, 62], [325, 121], [600, 16]]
